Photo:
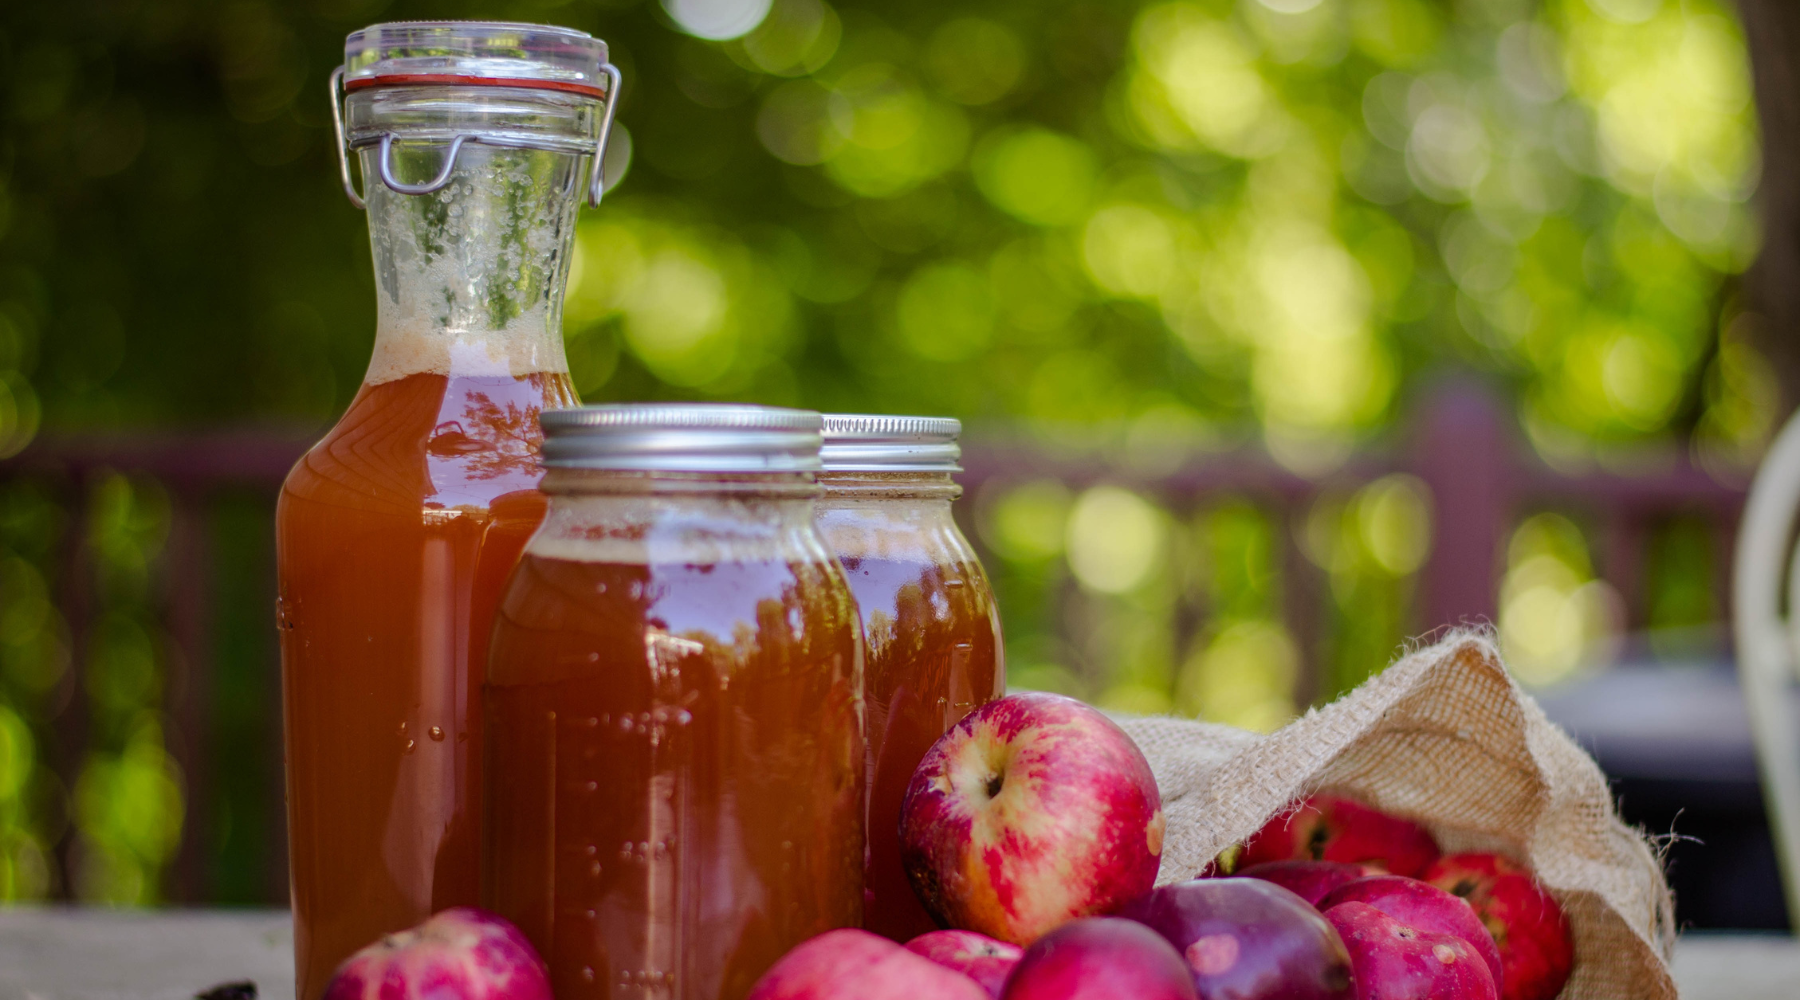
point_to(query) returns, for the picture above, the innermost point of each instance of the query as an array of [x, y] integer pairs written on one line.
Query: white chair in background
[[1767, 633]]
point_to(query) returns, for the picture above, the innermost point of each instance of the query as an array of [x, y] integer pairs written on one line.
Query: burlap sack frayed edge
[[1447, 737]]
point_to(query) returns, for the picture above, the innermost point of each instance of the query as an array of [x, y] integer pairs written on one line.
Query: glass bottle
[[395, 532], [932, 629], [674, 707]]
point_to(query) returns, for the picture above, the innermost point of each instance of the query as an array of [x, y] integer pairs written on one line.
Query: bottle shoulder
[[426, 442]]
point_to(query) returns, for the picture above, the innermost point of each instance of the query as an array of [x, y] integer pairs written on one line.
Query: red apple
[[464, 953], [977, 956], [1422, 906], [1033, 811], [1310, 880], [1536, 949], [854, 963], [1329, 828], [1100, 958], [1246, 939], [1393, 961]]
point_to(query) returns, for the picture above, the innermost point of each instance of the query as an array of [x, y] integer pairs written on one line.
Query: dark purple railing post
[[1302, 600], [1623, 544], [1465, 456], [69, 711], [188, 581]]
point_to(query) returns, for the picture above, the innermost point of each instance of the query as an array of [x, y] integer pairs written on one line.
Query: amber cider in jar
[[928, 614], [674, 707]]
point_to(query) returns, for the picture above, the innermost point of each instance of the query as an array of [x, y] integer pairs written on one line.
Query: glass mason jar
[[396, 531], [674, 707], [932, 629]]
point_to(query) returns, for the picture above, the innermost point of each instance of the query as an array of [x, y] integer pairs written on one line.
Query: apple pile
[[1033, 831]]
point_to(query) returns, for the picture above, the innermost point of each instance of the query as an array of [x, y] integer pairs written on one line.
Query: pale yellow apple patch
[[1153, 832], [1213, 954]]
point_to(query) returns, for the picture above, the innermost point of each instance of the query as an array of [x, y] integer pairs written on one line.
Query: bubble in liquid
[[410, 744], [437, 734], [587, 971], [402, 729]]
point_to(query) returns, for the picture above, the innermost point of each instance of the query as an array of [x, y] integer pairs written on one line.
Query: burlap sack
[[1446, 737]]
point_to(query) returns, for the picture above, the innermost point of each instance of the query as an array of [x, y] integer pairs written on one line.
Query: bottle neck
[[470, 277], [889, 486]]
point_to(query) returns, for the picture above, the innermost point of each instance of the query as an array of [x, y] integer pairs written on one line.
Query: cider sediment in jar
[[674, 726], [396, 533], [930, 623]]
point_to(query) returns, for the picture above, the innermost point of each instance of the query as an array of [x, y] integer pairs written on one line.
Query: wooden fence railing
[[1480, 478]]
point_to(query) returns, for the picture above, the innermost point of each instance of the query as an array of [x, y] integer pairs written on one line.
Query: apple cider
[[397, 531], [931, 626], [674, 711]]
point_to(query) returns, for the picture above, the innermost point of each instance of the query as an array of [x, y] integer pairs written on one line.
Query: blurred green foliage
[[1163, 226]]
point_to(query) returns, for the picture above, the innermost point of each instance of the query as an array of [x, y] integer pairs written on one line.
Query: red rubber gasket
[[439, 80]]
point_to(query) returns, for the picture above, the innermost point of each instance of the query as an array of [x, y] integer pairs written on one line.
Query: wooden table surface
[[86, 954]]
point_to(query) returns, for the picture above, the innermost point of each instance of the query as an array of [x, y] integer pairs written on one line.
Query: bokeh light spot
[[1116, 539], [1036, 175], [1129, 250], [945, 312], [717, 20], [1027, 523]]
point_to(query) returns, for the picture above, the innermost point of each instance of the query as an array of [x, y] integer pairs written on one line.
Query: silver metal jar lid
[[681, 437], [877, 443]]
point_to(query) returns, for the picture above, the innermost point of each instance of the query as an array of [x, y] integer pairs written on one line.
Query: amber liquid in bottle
[[396, 533], [682, 800], [933, 656]]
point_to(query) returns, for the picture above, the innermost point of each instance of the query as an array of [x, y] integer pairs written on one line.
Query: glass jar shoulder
[[728, 579], [907, 559], [895, 530]]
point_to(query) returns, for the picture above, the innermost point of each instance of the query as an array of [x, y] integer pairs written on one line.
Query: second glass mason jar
[[674, 707], [933, 631]]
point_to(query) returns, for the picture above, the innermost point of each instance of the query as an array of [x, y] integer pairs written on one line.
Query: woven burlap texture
[[1444, 736]]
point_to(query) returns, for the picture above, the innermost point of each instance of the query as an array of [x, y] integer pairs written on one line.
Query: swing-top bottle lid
[[880, 443], [681, 437], [475, 53]]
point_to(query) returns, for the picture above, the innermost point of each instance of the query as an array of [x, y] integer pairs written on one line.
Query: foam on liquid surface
[[415, 345]]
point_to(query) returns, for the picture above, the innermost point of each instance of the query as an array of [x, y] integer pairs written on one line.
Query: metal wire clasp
[[596, 173]]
